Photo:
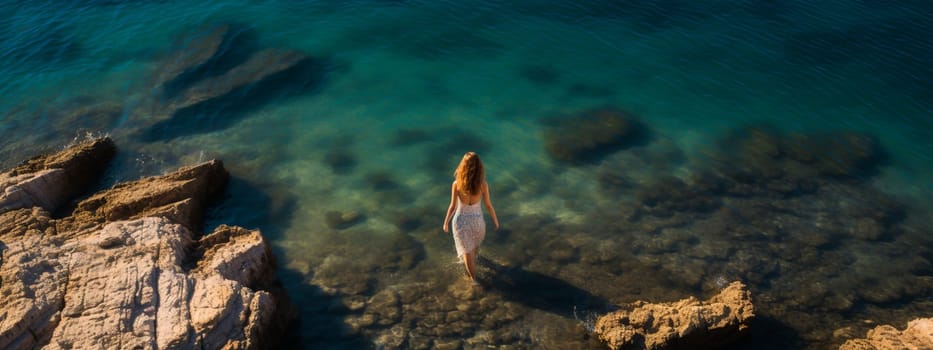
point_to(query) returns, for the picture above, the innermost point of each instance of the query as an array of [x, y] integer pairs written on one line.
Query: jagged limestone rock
[[115, 273], [685, 324]]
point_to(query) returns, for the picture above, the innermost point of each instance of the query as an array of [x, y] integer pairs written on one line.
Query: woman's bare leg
[[471, 263], [467, 263]]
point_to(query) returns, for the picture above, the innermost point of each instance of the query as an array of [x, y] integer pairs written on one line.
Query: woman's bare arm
[[488, 202], [451, 207]]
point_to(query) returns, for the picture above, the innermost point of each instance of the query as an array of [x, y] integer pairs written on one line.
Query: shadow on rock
[[541, 291], [768, 333], [321, 325], [317, 317]]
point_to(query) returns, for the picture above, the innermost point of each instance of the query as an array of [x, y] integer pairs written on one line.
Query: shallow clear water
[[396, 91]]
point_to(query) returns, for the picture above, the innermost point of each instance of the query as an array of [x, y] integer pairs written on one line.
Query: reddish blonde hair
[[470, 174]]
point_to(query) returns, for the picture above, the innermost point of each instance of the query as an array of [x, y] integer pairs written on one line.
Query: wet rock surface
[[125, 269], [917, 335], [685, 324]]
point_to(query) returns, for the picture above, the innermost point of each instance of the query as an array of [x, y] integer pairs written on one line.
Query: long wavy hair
[[470, 174]]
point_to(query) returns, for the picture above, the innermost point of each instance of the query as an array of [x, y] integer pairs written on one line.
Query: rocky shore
[[126, 267], [686, 324], [917, 335]]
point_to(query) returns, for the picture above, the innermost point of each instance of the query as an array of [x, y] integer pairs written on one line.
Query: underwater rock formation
[[419, 316], [669, 194], [917, 335], [591, 134], [757, 209], [212, 64], [342, 220], [80, 115], [685, 324], [758, 155], [260, 66], [126, 269], [191, 52]]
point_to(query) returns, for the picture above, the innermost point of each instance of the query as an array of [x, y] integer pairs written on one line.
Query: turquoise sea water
[[396, 91]]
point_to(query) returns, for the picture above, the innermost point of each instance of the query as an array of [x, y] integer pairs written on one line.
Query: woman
[[468, 189]]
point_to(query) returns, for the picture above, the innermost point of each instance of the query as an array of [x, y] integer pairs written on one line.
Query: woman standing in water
[[468, 189]]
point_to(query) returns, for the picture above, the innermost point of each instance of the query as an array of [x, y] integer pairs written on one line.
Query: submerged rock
[[686, 324], [214, 66], [759, 156], [591, 134], [85, 114], [191, 51], [260, 66], [340, 160], [669, 195], [340, 220], [403, 252], [917, 335], [423, 313], [843, 154], [117, 272]]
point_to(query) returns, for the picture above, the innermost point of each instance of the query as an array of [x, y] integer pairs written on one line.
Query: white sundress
[[469, 227]]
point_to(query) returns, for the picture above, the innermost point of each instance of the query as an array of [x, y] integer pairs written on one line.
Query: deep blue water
[[393, 92]]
